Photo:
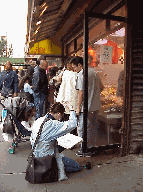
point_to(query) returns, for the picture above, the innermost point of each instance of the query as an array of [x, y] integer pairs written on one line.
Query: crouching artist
[[53, 129]]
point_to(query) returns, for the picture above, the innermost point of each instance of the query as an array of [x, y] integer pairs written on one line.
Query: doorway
[[105, 45]]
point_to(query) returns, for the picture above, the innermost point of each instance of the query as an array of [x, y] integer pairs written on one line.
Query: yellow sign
[[45, 47]]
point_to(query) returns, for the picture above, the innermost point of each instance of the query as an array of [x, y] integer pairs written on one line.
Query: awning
[[45, 47], [54, 19], [46, 16]]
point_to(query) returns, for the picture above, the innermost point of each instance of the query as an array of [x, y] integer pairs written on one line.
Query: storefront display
[[112, 32], [107, 50]]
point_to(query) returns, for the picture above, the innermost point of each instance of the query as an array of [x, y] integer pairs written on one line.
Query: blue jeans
[[80, 125], [39, 102]]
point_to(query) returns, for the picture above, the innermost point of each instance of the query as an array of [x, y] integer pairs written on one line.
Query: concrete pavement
[[108, 173]]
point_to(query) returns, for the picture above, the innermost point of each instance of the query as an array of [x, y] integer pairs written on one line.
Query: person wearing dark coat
[[40, 88], [8, 81]]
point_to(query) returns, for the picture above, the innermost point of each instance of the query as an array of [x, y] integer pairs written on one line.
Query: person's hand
[[77, 112], [67, 104]]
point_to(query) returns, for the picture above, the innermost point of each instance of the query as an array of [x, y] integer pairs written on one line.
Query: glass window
[[108, 61], [54, 61], [106, 56]]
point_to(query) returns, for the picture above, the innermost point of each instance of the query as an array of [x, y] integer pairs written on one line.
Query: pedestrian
[[21, 74], [25, 90], [52, 87], [30, 71], [94, 102], [8, 81], [28, 117], [67, 91], [58, 79], [53, 129], [40, 88], [8, 85]]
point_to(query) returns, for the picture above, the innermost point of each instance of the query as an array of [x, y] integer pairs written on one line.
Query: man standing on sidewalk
[[94, 102], [40, 88], [8, 81], [8, 85]]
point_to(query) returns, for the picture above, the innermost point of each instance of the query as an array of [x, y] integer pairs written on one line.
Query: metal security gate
[[136, 139], [133, 134]]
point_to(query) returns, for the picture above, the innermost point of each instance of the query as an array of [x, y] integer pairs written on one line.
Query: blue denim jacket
[[8, 82], [52, 129]]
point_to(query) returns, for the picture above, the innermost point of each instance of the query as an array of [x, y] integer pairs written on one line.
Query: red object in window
[[120, 52], [93, 54], [114, 51]]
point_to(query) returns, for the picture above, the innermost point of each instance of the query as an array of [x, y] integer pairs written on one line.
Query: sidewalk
[[108, 173]]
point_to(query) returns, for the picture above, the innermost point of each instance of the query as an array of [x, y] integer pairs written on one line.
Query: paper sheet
[[69, 140]]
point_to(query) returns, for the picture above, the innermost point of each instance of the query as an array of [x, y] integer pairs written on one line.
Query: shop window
[[54, 62], [107, 48], [108, 61]]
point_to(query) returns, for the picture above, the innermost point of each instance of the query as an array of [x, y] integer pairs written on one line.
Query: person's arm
[[67, 126], [54, 128], [80, 100], [79, 87]]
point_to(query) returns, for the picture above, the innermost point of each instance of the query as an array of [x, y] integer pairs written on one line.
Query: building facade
[[111, 32]]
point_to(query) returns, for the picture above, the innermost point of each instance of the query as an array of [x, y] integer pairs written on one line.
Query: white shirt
[[94, 102], [67, 91]]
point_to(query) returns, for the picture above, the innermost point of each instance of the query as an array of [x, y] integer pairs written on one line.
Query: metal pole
[[85, 85]]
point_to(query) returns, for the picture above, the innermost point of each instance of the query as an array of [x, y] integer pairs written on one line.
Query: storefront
[[106, 32], [108, 39], [104, 39]]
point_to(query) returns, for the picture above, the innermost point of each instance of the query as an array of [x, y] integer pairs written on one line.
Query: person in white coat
[[67, 91]]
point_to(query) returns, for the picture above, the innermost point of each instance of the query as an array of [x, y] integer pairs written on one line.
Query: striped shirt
[[52, 130]]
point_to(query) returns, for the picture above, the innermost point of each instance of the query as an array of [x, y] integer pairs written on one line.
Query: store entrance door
[[104, 52]]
